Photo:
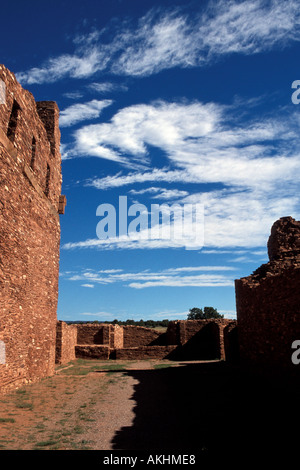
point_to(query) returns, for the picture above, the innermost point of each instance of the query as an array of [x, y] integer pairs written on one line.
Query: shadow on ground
[[210, 406]]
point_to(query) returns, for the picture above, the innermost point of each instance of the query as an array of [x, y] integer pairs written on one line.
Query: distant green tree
[[199, 314], [195, 314]]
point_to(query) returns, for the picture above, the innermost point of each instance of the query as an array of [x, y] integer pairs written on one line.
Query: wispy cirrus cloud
[[82, 111], [186, 276], [165, 39], [105, 87], [77, 66], [248, 161], [160, 193]]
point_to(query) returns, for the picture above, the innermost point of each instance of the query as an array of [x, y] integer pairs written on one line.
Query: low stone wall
[[145, 352], [92, 352], [183, 340], [66, 340]]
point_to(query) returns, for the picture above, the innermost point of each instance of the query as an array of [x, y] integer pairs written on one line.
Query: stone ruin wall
[[268, 307], [204, 339], [66, 340], [184, 339], [30, 203], [31, 339]]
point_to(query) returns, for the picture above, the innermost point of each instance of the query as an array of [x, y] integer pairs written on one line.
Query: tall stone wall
[[66, 340], [30, 203], [268, 302]]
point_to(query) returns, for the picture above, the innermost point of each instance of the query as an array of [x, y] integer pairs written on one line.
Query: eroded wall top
[[283, 250], [30, 131]]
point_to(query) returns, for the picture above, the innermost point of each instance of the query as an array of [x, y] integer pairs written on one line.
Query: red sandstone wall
[[200, 339], [186, 339], [92, 351], [136, 336], [269, 319], [66, 340], [145, 352], [268, 302], [116, 336], [29, 237], [93, 333]]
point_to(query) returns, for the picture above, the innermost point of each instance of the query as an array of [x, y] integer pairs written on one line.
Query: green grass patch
[[7, 420], [46, 443], [85, 366], [162, 366]]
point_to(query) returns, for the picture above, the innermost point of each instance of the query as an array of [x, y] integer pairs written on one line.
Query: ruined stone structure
[[268, 307], [66, 340], [30, 203], [183, 340], [31, 338]]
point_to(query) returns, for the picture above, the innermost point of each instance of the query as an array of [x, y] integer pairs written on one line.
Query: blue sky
[[164, 102]]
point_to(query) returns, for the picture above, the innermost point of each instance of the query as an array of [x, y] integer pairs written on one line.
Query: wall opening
[[33, 153], [13, 121], [47, 184]]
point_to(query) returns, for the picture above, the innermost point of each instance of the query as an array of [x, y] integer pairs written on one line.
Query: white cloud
[[226, 27], [105, 316], [166, 39], [82, 111], [187, 276], [250, 160], [230, 314], [105, 87], [118, 180], [207, 146], [160, 193], [73, 95], [187, 281], [131, 129], [81, 65], [91, 286]]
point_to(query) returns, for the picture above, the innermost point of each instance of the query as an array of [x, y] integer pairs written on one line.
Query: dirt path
[[81, 407], [148, 405]]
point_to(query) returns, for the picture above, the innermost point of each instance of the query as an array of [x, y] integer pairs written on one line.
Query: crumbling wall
[[66, 340], [184, 339], [30, 186], [268, 302], [200, 339]]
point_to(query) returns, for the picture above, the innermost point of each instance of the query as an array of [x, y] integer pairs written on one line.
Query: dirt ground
[[148, 405]]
